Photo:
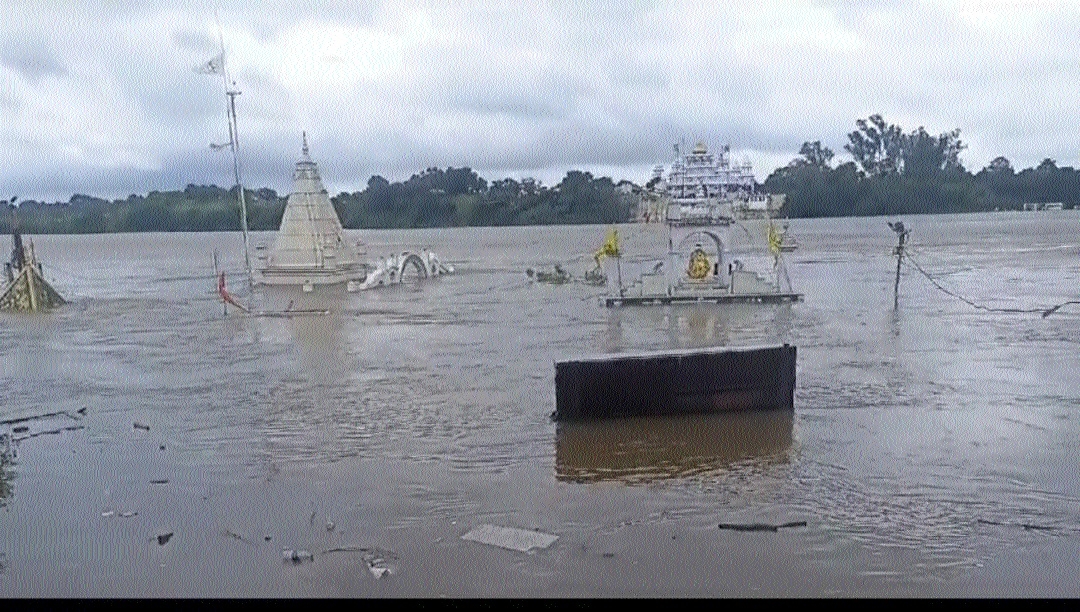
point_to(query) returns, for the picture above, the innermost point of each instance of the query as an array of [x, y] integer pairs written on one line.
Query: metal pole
[[234, 140], [899, 258], [618, 262], [618, 272], [234, 145]]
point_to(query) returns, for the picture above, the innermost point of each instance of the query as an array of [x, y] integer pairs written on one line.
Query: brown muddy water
[[932, 450]]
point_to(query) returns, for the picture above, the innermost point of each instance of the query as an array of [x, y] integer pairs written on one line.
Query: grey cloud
[[195, 41], [56, 183], [567, 85], [31, 58], [265, 20], [181, 101], [518, 104], [522, 93], [637, 75], [9, 101]]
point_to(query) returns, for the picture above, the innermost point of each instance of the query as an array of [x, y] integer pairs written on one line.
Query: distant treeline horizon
[[893, 172], [432, 198]]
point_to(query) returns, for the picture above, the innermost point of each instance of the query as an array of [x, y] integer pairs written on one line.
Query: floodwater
[[932, 450]]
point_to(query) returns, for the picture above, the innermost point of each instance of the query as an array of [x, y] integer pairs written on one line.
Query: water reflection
[[685, 326], [314, 322], [645, 449], [310, 412], [322, 350]]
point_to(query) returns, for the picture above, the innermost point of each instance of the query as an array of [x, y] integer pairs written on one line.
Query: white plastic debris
[[522, 540], [297, 556], [109, 513], [380, 562]]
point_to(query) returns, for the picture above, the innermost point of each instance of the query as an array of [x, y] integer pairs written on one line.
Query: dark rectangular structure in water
[[676, 382]]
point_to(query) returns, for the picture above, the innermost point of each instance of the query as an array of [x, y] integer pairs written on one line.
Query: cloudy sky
[[102, 97]]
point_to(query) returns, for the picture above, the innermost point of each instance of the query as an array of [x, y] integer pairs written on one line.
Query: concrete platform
[[711, 298], [676, 382]]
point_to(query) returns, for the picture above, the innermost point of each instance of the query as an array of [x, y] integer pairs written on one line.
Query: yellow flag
[[611, 245], [774, 239]]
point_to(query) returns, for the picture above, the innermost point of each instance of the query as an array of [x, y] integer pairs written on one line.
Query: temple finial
[[305, 143]]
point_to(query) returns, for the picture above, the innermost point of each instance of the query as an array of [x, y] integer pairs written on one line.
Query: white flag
[[213, 66]]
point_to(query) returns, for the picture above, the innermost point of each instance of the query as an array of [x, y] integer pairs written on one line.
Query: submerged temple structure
[[310, 247], [24, 288]]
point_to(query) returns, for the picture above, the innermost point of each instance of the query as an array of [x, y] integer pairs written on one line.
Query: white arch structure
[[392, 269]]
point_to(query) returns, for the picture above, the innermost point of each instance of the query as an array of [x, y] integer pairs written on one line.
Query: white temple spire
[[310, 246]]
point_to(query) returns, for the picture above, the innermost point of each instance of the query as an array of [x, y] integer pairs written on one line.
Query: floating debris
[[237, 536], [595, 277], [522, 540], [138, 425], [160, 481], [760, 526], [558, 276], [48, 432], [1025, 526], [108, 513], [378, 561], [35, 417], [297, 556]]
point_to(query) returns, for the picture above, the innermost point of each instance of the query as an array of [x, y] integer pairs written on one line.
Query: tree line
[[433, 198], [891, 172], [897, 172]]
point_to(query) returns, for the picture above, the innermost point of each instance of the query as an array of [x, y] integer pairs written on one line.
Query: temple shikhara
[[310, 247]]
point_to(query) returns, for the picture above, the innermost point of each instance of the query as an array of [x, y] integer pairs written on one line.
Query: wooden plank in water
[[676, 382]]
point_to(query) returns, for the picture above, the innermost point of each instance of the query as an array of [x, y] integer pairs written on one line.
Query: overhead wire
[[1045, 312]]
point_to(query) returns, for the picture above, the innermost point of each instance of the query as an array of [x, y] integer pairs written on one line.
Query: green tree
[[876, 146]]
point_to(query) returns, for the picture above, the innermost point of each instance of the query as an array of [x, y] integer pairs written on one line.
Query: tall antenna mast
[[234, 144]]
